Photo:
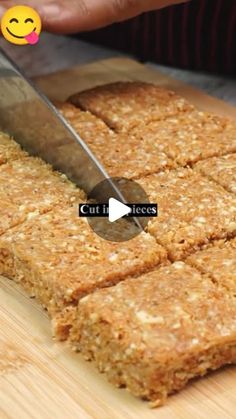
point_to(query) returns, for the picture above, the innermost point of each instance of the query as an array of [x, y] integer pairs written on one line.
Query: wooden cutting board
[[40, 378]]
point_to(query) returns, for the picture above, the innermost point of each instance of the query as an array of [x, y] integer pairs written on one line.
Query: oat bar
[[221, 169], [122, 155], [125, 105], [192, 211], [59, 259], [85, 123], [219, 262], [154, 333], [28, 187], [191, 136], [9, 149]]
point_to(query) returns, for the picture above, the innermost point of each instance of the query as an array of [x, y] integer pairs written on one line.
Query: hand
[[71, 16]]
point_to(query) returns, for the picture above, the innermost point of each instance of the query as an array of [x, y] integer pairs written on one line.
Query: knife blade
[[32, 120]]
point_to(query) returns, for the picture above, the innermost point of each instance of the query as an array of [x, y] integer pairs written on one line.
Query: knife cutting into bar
[[32, 120]]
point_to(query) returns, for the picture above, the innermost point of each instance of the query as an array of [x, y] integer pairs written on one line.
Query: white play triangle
[[117, 210]]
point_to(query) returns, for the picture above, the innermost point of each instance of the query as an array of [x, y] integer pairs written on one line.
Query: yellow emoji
[[21, 25]]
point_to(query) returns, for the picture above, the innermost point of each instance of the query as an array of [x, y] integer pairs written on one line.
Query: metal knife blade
[[32, 120], [36, 124]]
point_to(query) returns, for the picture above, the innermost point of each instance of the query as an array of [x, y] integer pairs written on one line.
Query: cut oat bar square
[[28, 187], [189, 137], [124, 105], [131, 158], [59, 259], [221, 169], [192, 211], [9, 149], [219, 262], [154, 333], [121, 155], [92, 128]]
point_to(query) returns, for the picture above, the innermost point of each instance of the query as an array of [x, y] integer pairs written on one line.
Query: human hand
[[71, 16]]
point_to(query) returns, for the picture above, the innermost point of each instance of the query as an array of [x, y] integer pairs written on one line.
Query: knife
[[32, 120]]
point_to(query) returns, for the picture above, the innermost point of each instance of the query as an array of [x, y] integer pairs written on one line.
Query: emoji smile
[[17, 36]]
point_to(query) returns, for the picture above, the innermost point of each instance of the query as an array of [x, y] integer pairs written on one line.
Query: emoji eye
[[29, 20], [14, 20]]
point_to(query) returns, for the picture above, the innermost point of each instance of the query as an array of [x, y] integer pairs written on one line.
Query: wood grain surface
[[40, 378]]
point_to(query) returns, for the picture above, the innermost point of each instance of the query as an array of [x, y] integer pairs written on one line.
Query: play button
[[111, 217], [117, 210]]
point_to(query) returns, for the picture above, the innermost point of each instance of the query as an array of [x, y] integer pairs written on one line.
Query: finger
[[81, 15], [63, 16]]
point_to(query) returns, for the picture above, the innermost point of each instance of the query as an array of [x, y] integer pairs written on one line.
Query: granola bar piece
[[85, 123], [154, 333], [189, 137], [121, 155], [192, 211], [124, 105], [221, 169], [9, 149], [59, 259], [218, 261], [29, 187]]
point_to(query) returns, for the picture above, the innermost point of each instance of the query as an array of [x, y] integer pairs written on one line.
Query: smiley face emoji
[[21, 25]]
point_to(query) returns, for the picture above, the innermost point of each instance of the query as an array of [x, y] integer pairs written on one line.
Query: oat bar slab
[[59, 259], [28, 187], [154, 333], [221, 169], [124, 105], [9, 149], [122, 155], [219, 262], [85, 123], [191, 136], [192, 210]]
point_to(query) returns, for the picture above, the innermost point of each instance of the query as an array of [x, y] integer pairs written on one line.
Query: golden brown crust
[[192, 211], [121, 155], [191, 136], [154, 333], [9, 149], [58, 258], [29, 187], [125, 105], [160, 138], [218, 260], [221, 169]]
